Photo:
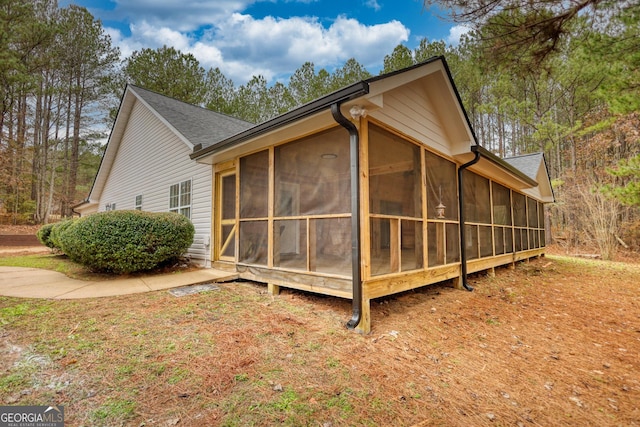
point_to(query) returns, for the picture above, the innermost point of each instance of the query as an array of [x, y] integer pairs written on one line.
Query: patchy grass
[[62, 264], [113, 411], [551, 342], [59, 263]]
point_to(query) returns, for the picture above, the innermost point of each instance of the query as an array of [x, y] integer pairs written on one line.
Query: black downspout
[[463, 248], [354, 144]]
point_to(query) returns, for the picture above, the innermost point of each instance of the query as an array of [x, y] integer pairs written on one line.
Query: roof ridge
[[537, 153], [175, 100], [197, 125]]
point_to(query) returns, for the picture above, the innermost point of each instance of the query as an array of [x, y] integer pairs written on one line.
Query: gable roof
[[535, 167], [527, 163], [193, 125], [197, 125], [359, 90], [434, 72]]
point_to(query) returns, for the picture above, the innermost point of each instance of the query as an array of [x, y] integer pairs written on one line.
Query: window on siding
[[110, 207], [138, 204], [180, 198]]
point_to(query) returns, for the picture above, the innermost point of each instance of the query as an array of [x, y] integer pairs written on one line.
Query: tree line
[[555, 77], [55, 65]]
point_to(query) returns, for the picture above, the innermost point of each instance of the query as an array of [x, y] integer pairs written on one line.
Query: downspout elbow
[[463, 248], [354, 149]]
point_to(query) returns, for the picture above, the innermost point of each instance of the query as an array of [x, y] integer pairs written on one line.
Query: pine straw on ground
[[8, 229], [551, 342]]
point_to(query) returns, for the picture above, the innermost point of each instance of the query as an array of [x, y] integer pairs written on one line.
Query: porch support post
[[273, 289]]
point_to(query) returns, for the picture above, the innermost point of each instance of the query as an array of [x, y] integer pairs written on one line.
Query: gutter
[[346, 94], [354, 146], [77, 205], [463, 249], [83, 202]]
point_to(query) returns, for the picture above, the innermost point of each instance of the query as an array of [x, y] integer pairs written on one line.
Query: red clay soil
[[553, 342], [20, 240]]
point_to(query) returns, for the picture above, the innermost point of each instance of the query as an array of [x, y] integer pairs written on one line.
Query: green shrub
[[126, 241], [58, 228], [44, 235]]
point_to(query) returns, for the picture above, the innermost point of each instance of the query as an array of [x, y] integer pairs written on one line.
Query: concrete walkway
[[39, 283]]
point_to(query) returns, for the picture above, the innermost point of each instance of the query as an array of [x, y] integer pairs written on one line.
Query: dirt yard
[[555, 341], [20, 239]]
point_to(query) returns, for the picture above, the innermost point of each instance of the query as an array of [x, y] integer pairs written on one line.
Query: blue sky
[[271, 37]]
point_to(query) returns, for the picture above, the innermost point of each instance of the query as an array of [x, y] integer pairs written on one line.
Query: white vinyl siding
[[412, 112], [150, 159]]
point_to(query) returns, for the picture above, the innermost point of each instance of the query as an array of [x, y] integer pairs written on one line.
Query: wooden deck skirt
[[377, 287]]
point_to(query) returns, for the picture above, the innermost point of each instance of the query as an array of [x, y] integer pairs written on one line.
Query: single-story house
[[377, 188]]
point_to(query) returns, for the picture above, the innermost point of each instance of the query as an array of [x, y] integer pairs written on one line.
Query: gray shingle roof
[[198, 125], [529, 164]]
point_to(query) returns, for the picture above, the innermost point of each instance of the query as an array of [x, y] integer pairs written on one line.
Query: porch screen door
[[226, 216]]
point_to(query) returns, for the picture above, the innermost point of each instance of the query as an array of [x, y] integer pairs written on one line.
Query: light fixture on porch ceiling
[[357, 111], [329, 156]]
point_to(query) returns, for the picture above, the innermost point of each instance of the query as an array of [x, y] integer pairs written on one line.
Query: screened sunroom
[[397, 196], [293, 222], [294, 206]]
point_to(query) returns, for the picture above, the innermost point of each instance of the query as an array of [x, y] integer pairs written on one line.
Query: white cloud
[[151, 36], [208, 55], [365, 43], [455, 33], [143, 35], [185, 16], [281, 45], [373, 4], [243, 46]]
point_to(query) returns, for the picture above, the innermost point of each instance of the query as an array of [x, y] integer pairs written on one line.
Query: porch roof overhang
[[81, 204], [84, 206], [495, 167]]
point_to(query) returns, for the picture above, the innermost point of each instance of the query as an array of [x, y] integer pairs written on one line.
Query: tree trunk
[[41, 204], [37, 139], [54, 157], [18, 163], [64, 203], [75, 148]]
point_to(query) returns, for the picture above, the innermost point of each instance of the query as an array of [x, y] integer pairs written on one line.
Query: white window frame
[[110, 207], [137, 204], [180, 196]]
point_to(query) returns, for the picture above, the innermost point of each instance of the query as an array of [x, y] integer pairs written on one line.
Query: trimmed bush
[[126, 241], [58, 228], [44, 235]]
